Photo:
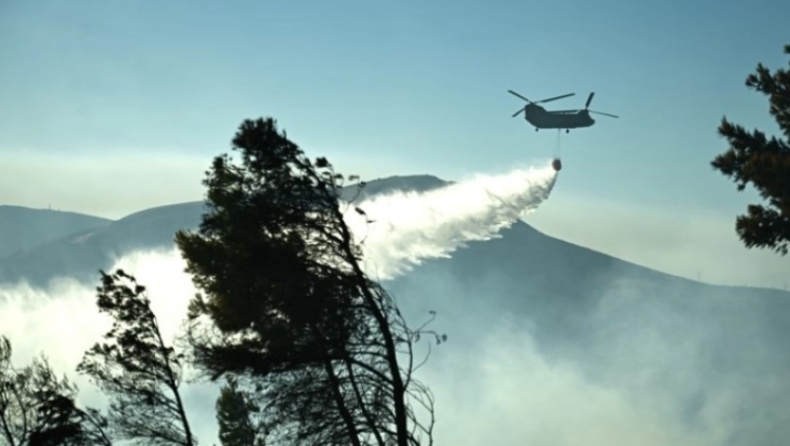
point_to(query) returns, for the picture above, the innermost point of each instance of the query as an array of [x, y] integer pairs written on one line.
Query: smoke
[[505, 389], [630, 377], [400, 230], [510, 393]]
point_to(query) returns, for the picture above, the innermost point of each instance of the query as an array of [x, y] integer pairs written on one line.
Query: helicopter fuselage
[[543, 119]]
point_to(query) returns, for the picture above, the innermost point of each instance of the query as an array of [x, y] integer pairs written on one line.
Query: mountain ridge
[[22, 228]]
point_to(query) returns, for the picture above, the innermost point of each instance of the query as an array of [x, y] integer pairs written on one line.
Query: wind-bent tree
[[140, 373], [763, 162], [234, 417], [38, 409], [285, 302]]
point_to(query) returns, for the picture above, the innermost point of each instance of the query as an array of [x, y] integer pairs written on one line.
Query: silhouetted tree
[[95, 428], [234, 417], [38, 409], [285, 302], [137, 369], [763, 162]]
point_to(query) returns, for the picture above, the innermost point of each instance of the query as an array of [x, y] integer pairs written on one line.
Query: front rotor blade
[[555, 98], [602, 113], [519, 111], [516, 94]]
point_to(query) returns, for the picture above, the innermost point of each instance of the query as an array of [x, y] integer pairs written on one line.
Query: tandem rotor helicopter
[[557, 119]]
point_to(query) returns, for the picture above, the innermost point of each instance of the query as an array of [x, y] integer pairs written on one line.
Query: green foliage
[[137, 369], [763, 162], [285, 301], [234, 417], [38, 409]]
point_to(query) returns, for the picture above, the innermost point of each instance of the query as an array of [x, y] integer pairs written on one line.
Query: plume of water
[[402, 229]]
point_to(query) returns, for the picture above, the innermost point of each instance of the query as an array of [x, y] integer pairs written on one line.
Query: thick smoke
[[407, 228]]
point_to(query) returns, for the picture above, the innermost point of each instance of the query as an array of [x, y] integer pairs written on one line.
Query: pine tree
[[140, 373], [763, 162], [38, 409], [234, 417], [284, 302]]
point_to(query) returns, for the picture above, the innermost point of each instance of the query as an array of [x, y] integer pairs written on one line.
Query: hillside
[[81, 254], [23, 228]]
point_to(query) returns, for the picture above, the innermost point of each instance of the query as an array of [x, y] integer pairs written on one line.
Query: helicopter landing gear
[[567, 130], [536, 129]]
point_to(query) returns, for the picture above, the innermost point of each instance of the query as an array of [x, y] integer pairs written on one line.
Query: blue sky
[[384, 88]]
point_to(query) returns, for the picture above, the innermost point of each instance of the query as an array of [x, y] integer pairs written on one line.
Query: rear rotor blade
[[555, 98], [589, 99], [602, 113], [522, 97]]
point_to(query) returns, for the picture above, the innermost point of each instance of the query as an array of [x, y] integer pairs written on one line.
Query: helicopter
[[557, 119]]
